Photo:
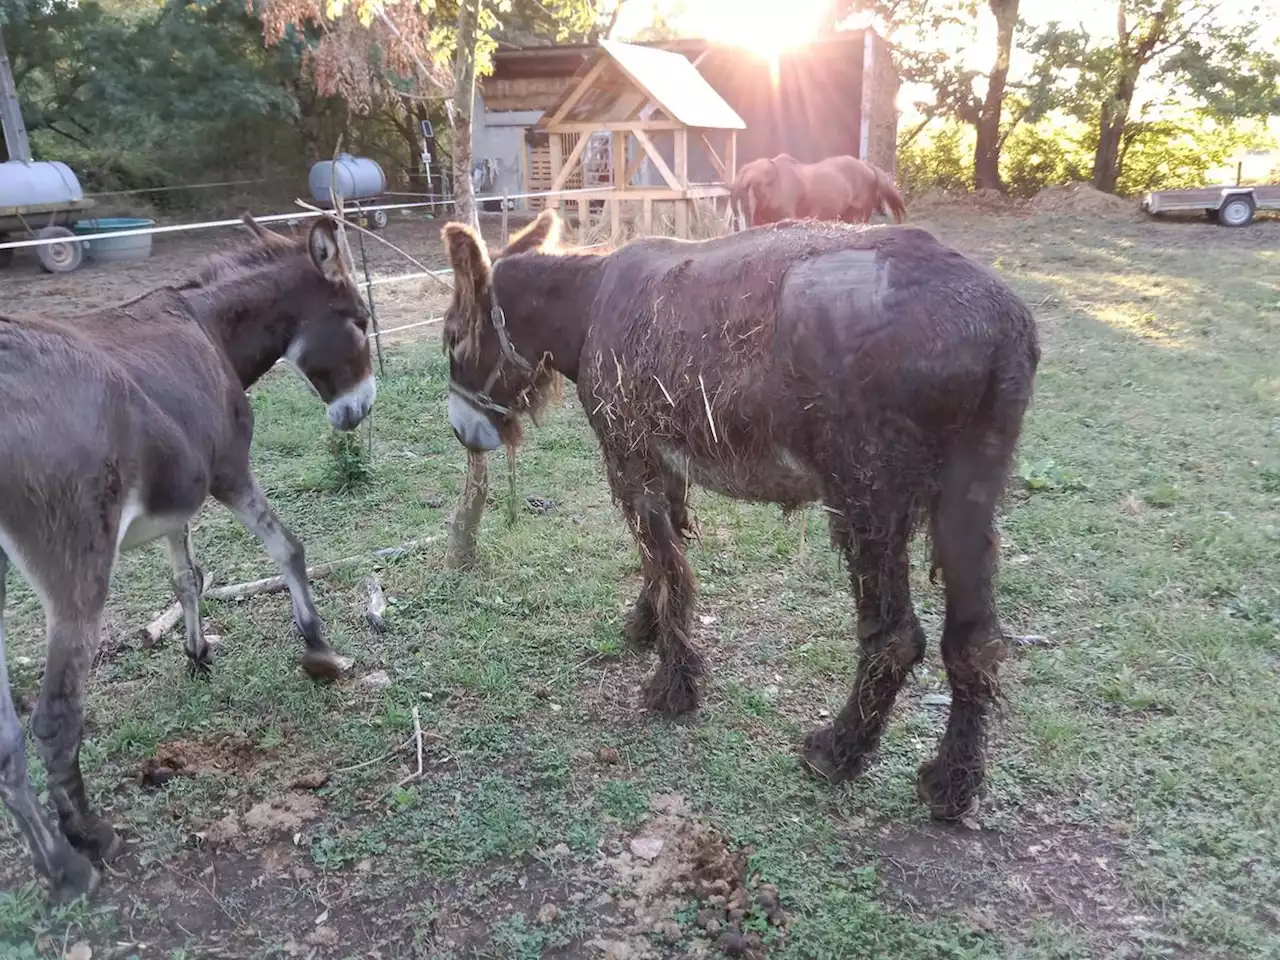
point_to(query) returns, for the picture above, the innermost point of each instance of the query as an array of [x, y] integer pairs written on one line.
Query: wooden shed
[[835, 94], [622, 110]]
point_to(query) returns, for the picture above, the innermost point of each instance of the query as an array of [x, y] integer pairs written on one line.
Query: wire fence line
[[275, 218]]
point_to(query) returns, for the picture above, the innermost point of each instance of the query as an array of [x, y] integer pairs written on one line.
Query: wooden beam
[[731, 158], [715, 157], [580, 90], [570, 163], [620, 178], [628, 126], [646, 216], [615, 220], [633, 166], [672, 181]]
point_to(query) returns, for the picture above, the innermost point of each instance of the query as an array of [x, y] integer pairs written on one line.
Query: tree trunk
[[986, 157], [464, 95], [1111, 125]]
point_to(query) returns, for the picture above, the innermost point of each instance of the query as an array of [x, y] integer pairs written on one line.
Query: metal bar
[[15, 132]]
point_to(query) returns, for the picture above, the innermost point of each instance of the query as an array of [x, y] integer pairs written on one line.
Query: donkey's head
[[330, 342], [490, 382]]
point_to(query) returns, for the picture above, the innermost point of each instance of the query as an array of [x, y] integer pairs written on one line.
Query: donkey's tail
[[891, 203], [742, 205]]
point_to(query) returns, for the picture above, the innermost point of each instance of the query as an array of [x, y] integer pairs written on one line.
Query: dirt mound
[[989, 202], [1081, 198], [675, 859], [231, 755]]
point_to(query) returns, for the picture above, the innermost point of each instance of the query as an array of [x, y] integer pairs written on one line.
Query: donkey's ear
[[542, 234], [469, 258], [326, 254], [268, 238]]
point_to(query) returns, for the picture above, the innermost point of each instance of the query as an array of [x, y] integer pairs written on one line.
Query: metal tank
[[358, 178], [38, 183]]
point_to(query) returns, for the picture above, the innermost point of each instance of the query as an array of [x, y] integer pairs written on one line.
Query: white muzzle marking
[[348, 410], [472, 427]]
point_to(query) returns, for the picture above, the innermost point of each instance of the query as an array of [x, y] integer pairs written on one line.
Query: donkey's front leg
[[188, 584], [251, 508]]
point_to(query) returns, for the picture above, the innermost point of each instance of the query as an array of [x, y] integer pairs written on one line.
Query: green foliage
[[939, 159]]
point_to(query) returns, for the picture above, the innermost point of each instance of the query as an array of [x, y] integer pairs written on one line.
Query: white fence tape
[[273, 218]]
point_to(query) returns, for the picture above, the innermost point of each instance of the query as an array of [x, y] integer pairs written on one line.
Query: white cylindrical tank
[[37, 183], [358, 178]]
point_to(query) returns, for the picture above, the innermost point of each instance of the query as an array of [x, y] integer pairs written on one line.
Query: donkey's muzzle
[[348, 410], [473, 428]]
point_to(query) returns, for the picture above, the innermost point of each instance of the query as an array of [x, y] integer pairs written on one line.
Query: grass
[[1133, 791]]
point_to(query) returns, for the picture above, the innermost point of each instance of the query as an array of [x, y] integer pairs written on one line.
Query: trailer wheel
[[378, 219], [1236, 211], [59, 257]]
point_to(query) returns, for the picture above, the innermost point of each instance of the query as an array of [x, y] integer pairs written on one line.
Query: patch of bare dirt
[[673, 859], [232, 755], [1003, 882], [1082, 198], [276, 816]]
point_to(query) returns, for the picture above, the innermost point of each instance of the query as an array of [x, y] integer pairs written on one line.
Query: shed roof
[[668, 78]]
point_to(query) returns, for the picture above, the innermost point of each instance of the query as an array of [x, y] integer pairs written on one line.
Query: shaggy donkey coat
[[873, 370]]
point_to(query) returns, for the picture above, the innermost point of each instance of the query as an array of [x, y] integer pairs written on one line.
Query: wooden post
[[557, 164], [464, 527], [464, 71], [682, 175], [506, 220], [621, 179]]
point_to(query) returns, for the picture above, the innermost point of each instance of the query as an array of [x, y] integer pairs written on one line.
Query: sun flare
[[765, 26]]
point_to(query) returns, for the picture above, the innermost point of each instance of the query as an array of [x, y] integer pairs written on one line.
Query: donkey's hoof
[[822, 754], [671, 692], [97, 840], [73, 877], [200, 666], [949, 793], [323, 665]]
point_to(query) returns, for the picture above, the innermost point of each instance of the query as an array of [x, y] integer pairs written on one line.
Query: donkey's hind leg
[[250, 506], [69, 874], [188, 583], [890, 638], [966, 549]]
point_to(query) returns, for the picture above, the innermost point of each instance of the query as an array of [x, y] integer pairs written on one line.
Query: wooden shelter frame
[[623, 123]]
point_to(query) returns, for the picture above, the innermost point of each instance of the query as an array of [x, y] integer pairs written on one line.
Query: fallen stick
[[254, 588], [373, 614], [417, 735], [371, 762]]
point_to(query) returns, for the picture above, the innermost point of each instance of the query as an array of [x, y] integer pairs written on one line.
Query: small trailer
[[1226, 206], [39, 200]]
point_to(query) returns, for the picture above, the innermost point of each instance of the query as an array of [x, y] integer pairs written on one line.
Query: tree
[[986, 156], [1179, 42]]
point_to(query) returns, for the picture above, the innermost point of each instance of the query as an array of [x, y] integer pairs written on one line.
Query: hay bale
[[1081, 198]]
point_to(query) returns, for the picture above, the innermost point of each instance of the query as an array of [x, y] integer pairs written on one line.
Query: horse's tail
[[891, 203]]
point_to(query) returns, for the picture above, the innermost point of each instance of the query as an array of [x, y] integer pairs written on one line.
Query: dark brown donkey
[[874, 370], [114, 428]]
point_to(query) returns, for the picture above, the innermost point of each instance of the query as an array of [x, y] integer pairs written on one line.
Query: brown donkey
[[874, 370], [114, 428]]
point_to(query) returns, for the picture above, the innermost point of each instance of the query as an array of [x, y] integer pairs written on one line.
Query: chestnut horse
[[116, 427], [871, 369], [837, 188]]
